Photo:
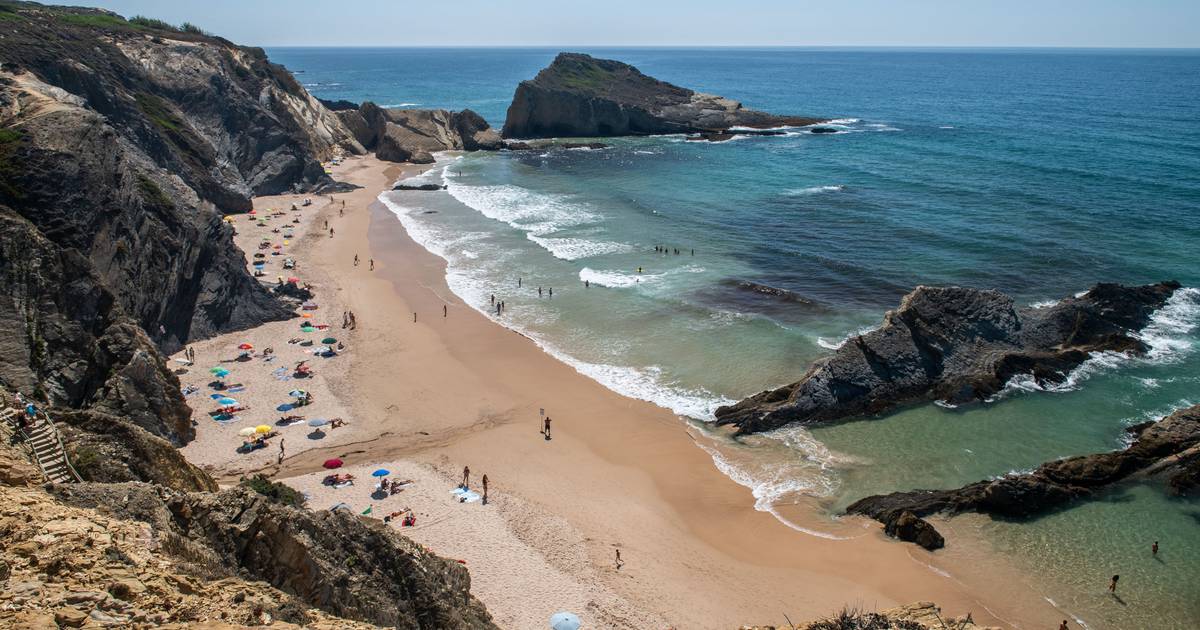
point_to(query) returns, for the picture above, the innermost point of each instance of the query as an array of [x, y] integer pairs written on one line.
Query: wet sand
[[429, 397]]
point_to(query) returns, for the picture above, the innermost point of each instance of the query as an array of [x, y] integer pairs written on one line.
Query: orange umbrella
[[245, 346]]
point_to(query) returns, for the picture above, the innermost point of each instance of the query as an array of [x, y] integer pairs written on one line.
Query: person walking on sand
[[445, 311], [1112, 586], [414, 317], [372, 264], [1063, 625], [466, 477], [620, 562], [546, 428], [330, 232], [485, 480], [356, 260], [279, 460]]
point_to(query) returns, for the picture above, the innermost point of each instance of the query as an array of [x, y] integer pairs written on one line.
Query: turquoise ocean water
[[1034, 172]]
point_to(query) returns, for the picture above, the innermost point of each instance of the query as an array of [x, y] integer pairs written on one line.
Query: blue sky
[[1077, 23]]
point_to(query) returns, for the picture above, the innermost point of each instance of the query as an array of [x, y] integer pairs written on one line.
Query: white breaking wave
[[834, 345], [1044, 304], [1166, 337], [566, 248], [618, 279], [401, 105], [813, 190]]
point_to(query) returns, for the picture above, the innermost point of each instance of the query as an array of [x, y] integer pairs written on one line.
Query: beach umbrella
[[382, 472], [332, 463], [246, 432], [216, 396], [564, 621], [253, 212], [297, 393], [318, 422], [262, 428], [260, 255], [245, 346], [279, 247], [309, 304], [293, 280], [329, 340], [307, 316], [220, 372], [225, 402], [307, 329], [285, 407]]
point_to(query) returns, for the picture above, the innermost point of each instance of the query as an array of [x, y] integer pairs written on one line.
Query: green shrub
[[188, 27], [94, 20], [278, 492], [142, 21], [85, 460]]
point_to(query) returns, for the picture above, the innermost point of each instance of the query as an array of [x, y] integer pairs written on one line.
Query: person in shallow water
[[1112, 586], [1154, 549], [1063, 625]]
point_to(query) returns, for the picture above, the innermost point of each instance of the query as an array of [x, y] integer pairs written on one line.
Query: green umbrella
[[308, 329], [329, 340]]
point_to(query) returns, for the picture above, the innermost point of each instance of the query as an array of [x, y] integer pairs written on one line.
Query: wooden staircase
[[42, 442]]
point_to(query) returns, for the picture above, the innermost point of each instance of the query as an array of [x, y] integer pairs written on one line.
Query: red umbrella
[[293, 280], [253, 212], [245, 346], [332, 463]]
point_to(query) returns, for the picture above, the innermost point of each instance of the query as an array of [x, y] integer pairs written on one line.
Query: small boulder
[[70, 617], [909, 527]]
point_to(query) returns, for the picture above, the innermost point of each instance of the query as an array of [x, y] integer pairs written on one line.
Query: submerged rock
[[956, 345], [1168, 449], [425, 187], [580, 96]]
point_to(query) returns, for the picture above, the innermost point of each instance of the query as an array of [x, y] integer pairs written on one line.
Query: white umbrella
[[564, 621], [248, 431]]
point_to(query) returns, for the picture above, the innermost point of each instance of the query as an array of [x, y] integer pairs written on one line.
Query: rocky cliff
[[330, 561], [414, 135], [580, 96], [1168, 449], [121, 146], [957, 345], [150, 560]]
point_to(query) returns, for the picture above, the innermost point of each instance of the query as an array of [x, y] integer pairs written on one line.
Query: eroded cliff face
[[580, 96], [331, 561], [958, 345], [121, 146], [414, 135]]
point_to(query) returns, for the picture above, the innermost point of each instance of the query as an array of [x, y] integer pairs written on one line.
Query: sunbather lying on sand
[[337, 422]]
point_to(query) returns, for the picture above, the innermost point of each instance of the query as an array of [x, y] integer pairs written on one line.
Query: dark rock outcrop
[[956, 345], [1167, 449], [424, 187], [339, 105], [580, 96], [71, 342], [333, 561], [908, 527], [108, 449]]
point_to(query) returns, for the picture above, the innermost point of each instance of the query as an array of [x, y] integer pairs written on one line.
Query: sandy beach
[[424, 396]]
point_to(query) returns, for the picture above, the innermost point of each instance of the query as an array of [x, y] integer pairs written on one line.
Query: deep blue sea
[[1036, 172]]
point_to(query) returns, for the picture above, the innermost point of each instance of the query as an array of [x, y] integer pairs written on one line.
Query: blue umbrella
[[226, 401], [564, 621], [318, 422], [284, 407], [217, 396], [382, 472]]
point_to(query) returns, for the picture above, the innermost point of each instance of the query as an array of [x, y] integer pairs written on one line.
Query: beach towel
[[465, 496]]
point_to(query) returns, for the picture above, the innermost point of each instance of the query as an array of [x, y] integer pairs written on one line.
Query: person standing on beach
[[372, 264], [485, 480], [356, 260], [1063, 625], [1112, 586], [546, 428], [620, 562], [414, 317], [466, 477], [330, 232], [279, 460], [445, 312]]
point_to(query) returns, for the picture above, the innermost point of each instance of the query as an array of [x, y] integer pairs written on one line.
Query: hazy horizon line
[[738, 46]]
